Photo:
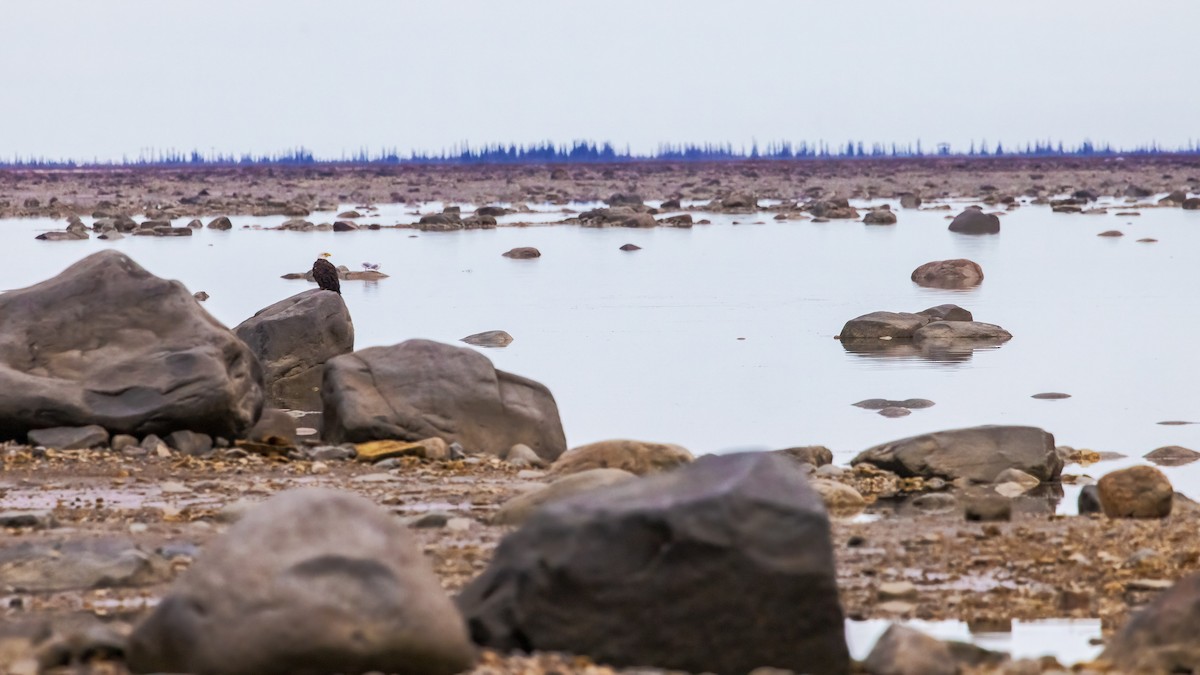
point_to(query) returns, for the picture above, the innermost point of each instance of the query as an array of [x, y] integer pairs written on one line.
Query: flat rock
[[421, 389], [75, 564], [491, 338], [977, 453], [650, 564], [312, 581], [946, 331], [636, 457], [523, 253], [69, 438], [516, 510], [427, 448], [883, 324], [1172, 455], [1050, 396]]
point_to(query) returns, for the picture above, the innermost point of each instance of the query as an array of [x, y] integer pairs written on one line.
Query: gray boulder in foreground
[[108, 343], [420, 388], [311, 581], [293, 339], [1164, 637], [723, 565], [976, 453]]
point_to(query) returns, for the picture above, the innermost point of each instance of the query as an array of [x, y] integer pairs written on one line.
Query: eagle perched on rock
[[326, 275]]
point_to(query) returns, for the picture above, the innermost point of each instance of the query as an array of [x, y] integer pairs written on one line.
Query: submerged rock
[[650, 565], [523, 253], [420, 388], [312, 581], [107, 343], [1172, 455]]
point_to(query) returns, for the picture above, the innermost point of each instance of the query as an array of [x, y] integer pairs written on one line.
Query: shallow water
[[720, 337], [1068, 640]]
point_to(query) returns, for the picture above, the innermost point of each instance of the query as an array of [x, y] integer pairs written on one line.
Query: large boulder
[[108, 343], [979, 454], [637, 457], [953, 274], [722, 566], [975, 221], [1164, 637], [293, 339], [419, 388], [312, 581], [896, 325]]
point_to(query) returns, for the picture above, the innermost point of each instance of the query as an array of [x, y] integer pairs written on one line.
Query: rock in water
[[312, 581], [293, 339], [1165, 636], [105, 342], [419, 388], [1136, 492], [977, 453], [722, 566], [896, 325], [491, 338], [956, 273], [975, 221]]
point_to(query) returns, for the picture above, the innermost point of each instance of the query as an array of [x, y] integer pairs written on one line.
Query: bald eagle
[[326, 275]]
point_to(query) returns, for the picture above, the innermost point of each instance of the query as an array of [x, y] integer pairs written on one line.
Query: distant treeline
[[590, 152]]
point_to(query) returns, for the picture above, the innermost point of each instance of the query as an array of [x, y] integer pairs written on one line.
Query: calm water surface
[[721, 336]]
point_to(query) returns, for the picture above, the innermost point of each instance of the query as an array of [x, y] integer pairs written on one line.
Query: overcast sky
[[86, 79]]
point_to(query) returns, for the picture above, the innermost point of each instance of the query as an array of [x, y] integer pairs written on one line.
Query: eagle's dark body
[[326, 276]]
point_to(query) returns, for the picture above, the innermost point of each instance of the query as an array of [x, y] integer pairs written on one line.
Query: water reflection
[[1068, 640], [933, 351]]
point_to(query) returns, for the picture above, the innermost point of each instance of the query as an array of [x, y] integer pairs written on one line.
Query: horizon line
[[583, 151]]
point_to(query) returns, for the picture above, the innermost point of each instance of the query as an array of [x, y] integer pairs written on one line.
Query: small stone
[[523, 253], [491, 338], [897, 590], [429, 448], [200, 295], [190, 443], [985, 509], [459, 524], [39, 520], [1051, 396], [429, 520], [1149, 584], [1017, 476], [122, 441], [523, 456], [318, 468], [815, 455], [328, 453], [631, 247], [1089, 500], [1111, 233], [893, 411], [1172, 455], [898, 607], [1011, 490], [935, 502], [374, 478], [839, 498]]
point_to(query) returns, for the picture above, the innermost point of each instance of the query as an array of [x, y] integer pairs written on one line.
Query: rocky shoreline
[[172, 487]]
